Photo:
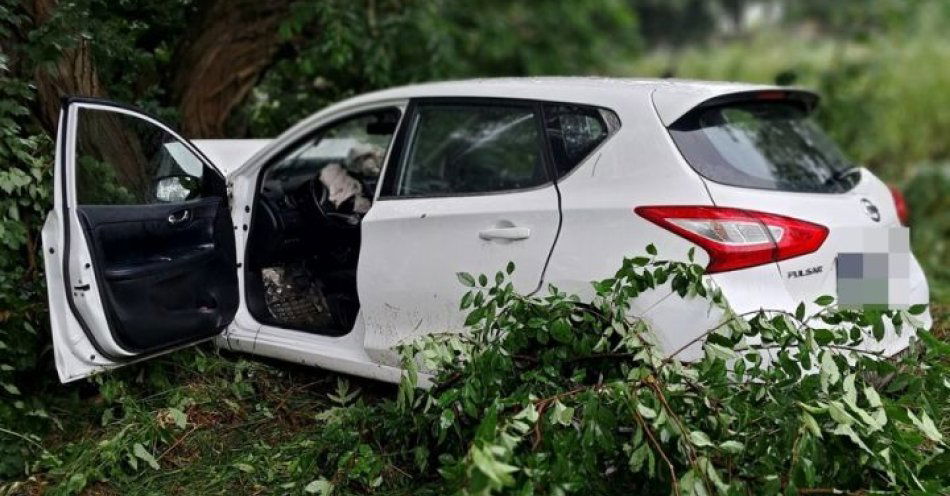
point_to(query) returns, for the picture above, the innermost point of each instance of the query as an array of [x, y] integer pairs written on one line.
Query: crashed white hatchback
[[152, 247]]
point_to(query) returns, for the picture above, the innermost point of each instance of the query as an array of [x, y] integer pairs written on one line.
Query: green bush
[[928, 197], [25, 183], [547, 395]]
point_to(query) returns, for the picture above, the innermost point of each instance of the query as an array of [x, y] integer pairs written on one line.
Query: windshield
[[766, 145]]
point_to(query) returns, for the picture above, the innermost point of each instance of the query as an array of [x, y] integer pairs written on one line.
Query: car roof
[[671, 97]]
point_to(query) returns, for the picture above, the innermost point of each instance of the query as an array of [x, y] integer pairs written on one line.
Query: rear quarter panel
[[637, 166]]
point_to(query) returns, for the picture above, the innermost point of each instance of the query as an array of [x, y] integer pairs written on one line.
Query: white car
[[152, 247]]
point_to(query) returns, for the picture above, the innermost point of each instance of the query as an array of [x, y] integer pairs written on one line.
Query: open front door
[[139, 247]]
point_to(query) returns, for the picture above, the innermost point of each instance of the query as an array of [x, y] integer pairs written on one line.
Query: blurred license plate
[[873, 269]]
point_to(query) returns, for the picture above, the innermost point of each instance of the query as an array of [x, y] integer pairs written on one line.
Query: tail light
[[903, 213], [736, 238]]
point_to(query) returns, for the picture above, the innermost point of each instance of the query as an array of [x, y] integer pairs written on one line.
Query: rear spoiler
[[673, 103]]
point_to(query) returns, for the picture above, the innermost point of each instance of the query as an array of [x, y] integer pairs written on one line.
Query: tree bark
[[74, 73], [228, 49]]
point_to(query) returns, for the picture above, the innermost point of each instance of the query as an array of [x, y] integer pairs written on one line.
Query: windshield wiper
[[839, 175]]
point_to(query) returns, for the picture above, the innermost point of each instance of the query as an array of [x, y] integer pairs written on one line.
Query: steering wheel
[[328, 213]]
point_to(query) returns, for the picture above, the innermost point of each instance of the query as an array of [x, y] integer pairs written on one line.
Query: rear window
[[765, 145]]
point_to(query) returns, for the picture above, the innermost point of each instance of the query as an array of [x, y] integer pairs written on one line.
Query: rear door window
[[765, 145], [471, 148]]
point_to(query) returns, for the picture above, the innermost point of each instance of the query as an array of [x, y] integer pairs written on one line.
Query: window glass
[[462, 149], [347, 155], [769, 145], [574, 132], [125, 160]]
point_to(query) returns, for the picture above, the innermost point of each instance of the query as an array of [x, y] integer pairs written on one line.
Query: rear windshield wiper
[[839, 175]]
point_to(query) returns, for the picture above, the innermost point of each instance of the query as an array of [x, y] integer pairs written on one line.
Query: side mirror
[[171, 189]]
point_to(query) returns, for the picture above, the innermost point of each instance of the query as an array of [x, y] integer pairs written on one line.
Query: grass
[[247, 421]]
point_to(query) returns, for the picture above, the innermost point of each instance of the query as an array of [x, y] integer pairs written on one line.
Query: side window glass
[[346, 157], [574, 132], [122, 159], [471, 148]]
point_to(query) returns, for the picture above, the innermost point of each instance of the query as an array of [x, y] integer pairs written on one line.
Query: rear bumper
[[678, 322]]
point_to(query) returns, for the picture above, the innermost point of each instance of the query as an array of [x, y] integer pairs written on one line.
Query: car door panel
[[163, 282], [413, 249]]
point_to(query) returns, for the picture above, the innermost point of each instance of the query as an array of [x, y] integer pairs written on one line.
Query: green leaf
[[651, 249], [926, 426], [846, 430], [877, 326], [495, 470], [823, 336], [244, 467], [76, 483], [561, 414], [561, 330], [829, 374], [645, 411], [700, 438], [850, 392], [179, 417], [839, 414], [824, 300], [718, 351], [320, 486], [510, 268], [466, 279], [732, 447], [874, 399], [141, 453], [800, 312], [640, 261], [811, 424], [466, 302], [917, 309]]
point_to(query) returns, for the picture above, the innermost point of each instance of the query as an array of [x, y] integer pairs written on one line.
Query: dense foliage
[[24, 200], [546, 394]]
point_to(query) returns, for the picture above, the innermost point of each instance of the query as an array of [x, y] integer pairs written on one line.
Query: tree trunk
[[228, 49], [72, 74]]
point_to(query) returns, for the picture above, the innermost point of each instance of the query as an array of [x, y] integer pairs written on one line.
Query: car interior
[[304, 239]]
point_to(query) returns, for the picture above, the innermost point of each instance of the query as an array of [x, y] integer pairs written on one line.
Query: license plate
[[877, 277]]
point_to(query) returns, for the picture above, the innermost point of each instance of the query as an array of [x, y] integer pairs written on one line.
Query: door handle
[[509, 233], [179, 217]]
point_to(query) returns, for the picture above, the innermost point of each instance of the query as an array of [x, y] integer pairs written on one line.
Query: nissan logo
[[871, 210]]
